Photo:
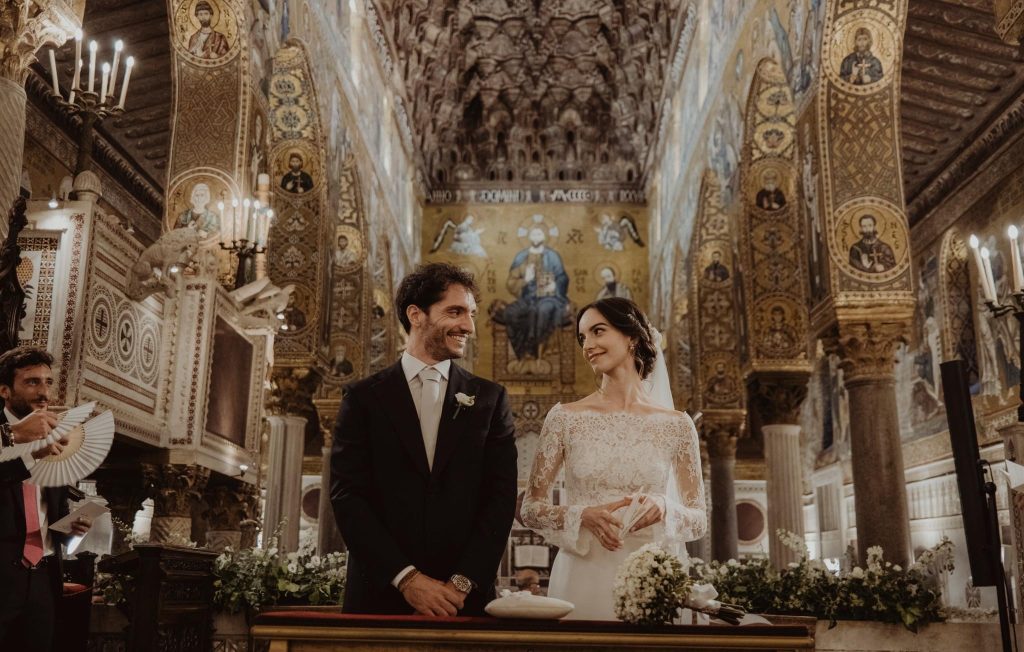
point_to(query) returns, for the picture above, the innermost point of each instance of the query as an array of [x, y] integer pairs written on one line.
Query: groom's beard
[[437, 345]]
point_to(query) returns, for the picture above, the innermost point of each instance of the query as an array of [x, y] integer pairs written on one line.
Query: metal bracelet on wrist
[[6, 435]]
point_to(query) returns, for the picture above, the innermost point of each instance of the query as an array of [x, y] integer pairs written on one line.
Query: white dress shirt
[[412, 366], [30, 461]]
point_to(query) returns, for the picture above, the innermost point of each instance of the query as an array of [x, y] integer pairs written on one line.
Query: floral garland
[[881, 591], [256, 577]]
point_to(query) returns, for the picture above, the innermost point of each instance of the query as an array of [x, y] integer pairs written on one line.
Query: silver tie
[[430, 409]]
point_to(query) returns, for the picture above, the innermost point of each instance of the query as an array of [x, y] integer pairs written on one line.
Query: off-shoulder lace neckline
[[626, 413]]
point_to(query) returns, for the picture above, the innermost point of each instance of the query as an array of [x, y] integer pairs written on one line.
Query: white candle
[[245, 219], [74, 82], [1018, 272], [266, 226], [234, 219], [128, 65], [982, 279], [223, 226], [104, 82], [990, 285], [53, 71], [254, 225], [92, 66], [78, 55], [118, 46]]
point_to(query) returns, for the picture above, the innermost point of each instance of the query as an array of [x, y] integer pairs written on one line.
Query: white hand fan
[[68, 421], [87, 447]]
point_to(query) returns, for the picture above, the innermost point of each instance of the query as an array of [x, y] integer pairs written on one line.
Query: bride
[[623, 440]]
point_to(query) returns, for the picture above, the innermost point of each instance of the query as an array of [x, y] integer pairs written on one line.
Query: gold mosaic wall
[[585, 251]]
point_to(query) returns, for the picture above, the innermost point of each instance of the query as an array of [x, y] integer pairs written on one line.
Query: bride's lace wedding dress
[[608, 456]]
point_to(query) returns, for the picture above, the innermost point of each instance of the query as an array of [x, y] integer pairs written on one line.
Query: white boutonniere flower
[[463, 401]]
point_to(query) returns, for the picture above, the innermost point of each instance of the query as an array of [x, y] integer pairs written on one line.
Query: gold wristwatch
[[461, 583]]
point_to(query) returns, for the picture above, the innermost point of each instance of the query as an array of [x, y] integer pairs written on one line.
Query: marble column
[[328, 537], [284, 479], [175, 489], [776, 398], [722, 453], [23, 30], [784, 488], [12, 144], [867, 353]]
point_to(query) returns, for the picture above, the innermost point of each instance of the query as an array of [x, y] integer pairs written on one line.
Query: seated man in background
[[30, 555]]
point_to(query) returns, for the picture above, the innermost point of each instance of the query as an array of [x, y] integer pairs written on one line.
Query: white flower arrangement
[[652, 585], [878, 590], [255, 577]]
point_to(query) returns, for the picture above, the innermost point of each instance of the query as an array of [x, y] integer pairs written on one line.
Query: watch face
[[462, 583]]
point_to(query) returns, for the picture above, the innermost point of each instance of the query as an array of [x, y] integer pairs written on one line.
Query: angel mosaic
[[611, 234], [466, 240]]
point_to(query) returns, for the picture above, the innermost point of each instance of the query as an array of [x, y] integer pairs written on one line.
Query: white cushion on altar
[[524, 604]]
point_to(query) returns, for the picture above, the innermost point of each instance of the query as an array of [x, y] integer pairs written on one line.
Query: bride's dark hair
[[625, 316]]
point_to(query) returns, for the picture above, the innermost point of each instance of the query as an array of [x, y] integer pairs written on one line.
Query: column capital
[[777, 397], [227, 506], [26, 28], [721, 433], [327, 410], [174, 487], [867, 350]]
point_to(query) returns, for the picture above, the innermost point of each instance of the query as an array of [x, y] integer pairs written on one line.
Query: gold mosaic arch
[[211, 90], [300, 229], [718, 384], [679, 351], [771, 239], [958, 335], [348, 295], [858, 135]]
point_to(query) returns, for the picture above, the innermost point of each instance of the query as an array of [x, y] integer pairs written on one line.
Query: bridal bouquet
[[653, 585]]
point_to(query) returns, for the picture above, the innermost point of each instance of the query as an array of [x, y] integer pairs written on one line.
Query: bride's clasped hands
[[606, 525]]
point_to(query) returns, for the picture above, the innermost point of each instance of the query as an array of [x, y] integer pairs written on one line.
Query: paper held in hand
[[89, 510], [633, 512]]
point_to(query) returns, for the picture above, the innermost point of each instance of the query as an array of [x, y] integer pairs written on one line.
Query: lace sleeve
[[558, 524], [686, 517]]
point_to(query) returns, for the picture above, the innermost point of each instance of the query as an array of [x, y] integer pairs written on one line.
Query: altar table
[[318, 631]]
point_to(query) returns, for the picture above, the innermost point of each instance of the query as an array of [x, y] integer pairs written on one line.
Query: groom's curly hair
[[626, 317], [425, 287]]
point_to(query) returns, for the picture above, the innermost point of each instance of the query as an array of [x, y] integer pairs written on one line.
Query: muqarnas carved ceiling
[[533, 91]]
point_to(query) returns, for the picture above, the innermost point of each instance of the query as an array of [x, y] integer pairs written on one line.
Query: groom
[[423, 469]]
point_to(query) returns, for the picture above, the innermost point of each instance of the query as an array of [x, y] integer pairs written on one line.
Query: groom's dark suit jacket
[[394, 511], [12, 532]]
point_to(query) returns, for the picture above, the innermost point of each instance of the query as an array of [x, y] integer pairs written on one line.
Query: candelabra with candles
[[245, 226], [983, 260], [92, 107]]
